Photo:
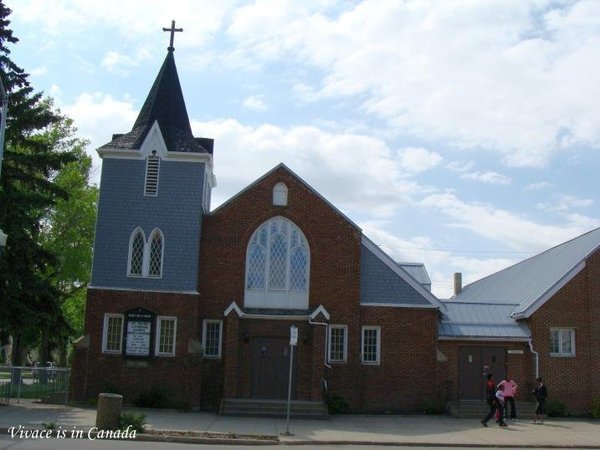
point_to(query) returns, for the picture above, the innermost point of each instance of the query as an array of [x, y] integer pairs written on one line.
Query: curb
[[148, 436]]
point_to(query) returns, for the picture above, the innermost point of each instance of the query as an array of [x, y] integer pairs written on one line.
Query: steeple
[[165, 101], [166, 105]]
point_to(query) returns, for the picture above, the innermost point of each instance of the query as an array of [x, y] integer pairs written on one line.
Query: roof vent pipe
[[457, 283]]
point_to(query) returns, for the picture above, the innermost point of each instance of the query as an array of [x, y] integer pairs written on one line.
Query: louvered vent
[[152, 168]]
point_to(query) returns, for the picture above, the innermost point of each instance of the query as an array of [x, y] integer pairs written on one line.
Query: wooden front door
[[270, 368], [473, 364]]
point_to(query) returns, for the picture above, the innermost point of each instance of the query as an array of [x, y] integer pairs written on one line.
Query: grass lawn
[[35, 390]]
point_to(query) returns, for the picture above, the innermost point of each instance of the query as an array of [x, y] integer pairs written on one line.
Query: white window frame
[[205, 324], [560, 331], [329, 343], [362, 345], [267, 295], [132, 237], [146, 253], [159, 327], [107, 317], [280, 194]]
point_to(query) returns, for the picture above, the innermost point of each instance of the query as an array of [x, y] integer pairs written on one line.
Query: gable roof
[[282, 166], [530, 283], [399, 287], [165, 104]]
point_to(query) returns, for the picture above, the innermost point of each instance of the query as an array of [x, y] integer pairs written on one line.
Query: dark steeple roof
[[166, 105]]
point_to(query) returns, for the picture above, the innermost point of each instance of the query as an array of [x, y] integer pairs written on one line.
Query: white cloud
[[476, 74], [255, 102], [473, 74], [487, 177], [538, 186], [305, 93], [565, 203], [334, 164], [96, 116], [121, 64], [416, 160], [39, 71], [132, 20], [503, 226]]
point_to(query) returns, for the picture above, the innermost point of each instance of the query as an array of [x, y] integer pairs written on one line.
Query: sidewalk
[[342, 429]]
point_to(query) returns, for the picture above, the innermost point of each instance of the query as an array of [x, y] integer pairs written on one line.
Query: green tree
[[69, 229], [29, 299]]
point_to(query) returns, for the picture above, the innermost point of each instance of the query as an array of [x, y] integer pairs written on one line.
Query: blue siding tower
[[155, 188]]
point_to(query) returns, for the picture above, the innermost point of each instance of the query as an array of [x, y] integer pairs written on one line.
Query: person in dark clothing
[[540, 393], [492, 400]]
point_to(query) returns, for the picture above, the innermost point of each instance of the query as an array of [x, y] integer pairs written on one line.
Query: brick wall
[[180, 376], [405, 377], [408, 334], [518, 365], [572, 380], [334, 269]]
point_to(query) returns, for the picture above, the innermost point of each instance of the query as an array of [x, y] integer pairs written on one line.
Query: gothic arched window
[[136, 253], [145, 258], [277, 266], [156, 254], [280, 194]]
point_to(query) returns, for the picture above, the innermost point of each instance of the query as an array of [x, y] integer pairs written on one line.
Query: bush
[[434, 407], [337, 404], [556, 408], [596, 408], [135, 421], [156, 397]]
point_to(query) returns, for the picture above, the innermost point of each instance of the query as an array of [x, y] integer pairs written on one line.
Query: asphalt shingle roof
[[165, 104]]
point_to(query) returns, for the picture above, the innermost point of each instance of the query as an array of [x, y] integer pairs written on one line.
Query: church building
[[276, 291], [202, 303]]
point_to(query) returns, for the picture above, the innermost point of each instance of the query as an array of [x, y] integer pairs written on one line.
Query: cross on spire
[[172, 30]]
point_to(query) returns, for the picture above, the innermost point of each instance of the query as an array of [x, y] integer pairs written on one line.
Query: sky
[[462, 134]]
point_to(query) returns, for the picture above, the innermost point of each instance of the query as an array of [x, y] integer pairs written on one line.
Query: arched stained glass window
[[278, 261], [256, 267], [277, 264]]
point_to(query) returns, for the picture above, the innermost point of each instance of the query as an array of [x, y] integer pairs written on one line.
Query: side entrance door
[[270, 368], [474, 363]]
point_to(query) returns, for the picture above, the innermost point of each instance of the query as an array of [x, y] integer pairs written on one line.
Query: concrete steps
[[479, 408], [273, 408]]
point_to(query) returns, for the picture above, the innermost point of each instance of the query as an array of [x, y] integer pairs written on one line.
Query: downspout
[[310, 321], [537, 358]]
